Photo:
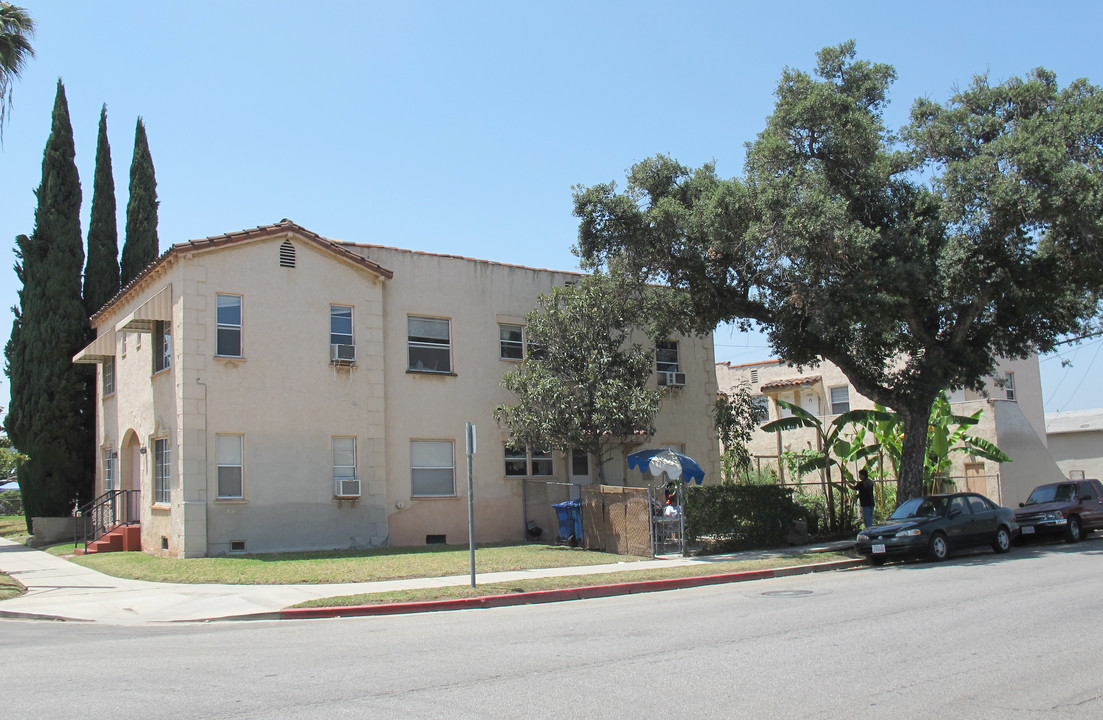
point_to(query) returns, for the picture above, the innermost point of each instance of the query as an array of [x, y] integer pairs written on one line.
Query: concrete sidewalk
[[60, 590]]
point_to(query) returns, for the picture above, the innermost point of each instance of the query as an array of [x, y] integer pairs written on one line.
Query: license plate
[[880, 548], [1028, 529]]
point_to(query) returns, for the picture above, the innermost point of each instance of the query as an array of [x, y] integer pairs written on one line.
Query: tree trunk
[[913, 451]]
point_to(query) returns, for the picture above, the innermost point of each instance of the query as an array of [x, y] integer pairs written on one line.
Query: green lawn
[[14, 527], [337, 566], [573, 581]]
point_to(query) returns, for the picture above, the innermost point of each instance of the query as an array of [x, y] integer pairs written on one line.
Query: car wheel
[[1072, 529], [938, 549], [1002, 542]]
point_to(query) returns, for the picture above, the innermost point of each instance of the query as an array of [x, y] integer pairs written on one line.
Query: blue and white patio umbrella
[[675, 465]]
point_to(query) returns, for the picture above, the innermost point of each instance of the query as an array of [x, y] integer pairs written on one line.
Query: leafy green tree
[[911, 260], [736, 417], [47, 390], [584, 383], [16, 30], [141, 245]]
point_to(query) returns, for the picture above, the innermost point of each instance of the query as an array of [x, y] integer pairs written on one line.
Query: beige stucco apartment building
[[271, 390], [1013, 417]]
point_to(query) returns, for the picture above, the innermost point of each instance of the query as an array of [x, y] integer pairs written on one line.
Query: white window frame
[[162, 471], [664, 351], [108, 470], [108, 376], [419, 448], [837, 404], [425, 343], [341, 338], [1009, 385], [525, 462], [516, 347], [223, 326], [162, 351], [342, 471], [225, 459]]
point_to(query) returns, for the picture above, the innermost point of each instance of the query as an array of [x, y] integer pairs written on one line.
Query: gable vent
[[287, 254], [754, 376]]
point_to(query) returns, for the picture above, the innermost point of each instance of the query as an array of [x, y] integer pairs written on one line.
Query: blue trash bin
[[569, 514]]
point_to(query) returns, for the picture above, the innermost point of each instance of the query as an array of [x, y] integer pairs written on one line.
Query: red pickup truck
[[1070, 508]]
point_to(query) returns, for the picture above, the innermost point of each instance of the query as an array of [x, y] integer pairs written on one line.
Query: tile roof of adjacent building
[[787, 383]]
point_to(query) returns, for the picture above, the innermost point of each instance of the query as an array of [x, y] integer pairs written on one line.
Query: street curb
[[545, 596]]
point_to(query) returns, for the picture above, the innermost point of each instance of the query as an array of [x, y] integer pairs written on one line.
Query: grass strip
[[337, 566], [10, 588], [14, 528], [574, 581]]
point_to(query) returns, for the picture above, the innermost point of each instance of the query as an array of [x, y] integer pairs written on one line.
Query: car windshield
[[1063, 492], [920, 507]]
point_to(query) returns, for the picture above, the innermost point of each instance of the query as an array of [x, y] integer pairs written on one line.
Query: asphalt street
[[981, 636]]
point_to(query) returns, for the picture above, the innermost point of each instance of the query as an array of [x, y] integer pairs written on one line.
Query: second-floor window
[[162, 345], [430, 344], [1009, 385], [340, 325], [108, 377], [666, 356], [840, 400], [512, 343], [228, 338]]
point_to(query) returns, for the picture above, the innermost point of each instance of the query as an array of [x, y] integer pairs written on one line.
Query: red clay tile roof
[[790, 383]]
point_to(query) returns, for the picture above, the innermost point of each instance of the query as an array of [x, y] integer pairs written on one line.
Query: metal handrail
[[105, 513]]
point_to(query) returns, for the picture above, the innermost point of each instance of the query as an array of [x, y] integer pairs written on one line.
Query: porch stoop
[[124, 538]]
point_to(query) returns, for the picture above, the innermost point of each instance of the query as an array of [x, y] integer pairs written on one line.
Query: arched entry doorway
[[130, 472]]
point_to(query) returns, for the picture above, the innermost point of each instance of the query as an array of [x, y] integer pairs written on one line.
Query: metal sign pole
[[470, 433]]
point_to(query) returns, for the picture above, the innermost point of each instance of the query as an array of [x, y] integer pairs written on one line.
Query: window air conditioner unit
[[672, 379], [346, 487], [342, 354]]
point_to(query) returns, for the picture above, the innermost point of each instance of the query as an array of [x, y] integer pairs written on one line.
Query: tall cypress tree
[[101, 273], [140, 246], [47, 389]]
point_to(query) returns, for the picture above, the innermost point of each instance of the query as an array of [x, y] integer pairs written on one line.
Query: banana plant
[[946, 433], [834, 450]]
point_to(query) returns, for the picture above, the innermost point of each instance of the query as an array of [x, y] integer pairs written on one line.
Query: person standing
[[864, 487]]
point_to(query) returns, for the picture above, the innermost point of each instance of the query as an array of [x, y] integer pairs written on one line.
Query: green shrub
[[726, 518], [11, 502]]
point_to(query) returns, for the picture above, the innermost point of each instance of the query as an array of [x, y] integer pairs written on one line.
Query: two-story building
[[1013, 418], [272, 390]]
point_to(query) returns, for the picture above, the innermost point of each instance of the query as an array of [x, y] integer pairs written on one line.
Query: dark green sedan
[[936, 525]]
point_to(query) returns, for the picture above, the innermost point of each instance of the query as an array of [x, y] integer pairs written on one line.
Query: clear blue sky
[[460, 127]]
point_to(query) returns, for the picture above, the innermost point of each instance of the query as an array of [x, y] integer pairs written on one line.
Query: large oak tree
[[913, 260]]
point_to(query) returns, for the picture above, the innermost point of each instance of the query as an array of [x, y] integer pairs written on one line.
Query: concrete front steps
[[124, 538]]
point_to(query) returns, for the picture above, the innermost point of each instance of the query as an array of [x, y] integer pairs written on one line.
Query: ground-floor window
[[162, 474], [231, 467], [432, 468]]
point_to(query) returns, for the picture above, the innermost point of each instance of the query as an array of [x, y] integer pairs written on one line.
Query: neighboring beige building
[[271, 390], [1013, 419], [1076, 441]]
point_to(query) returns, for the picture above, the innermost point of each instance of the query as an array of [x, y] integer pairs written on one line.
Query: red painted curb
[[544, 596]]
